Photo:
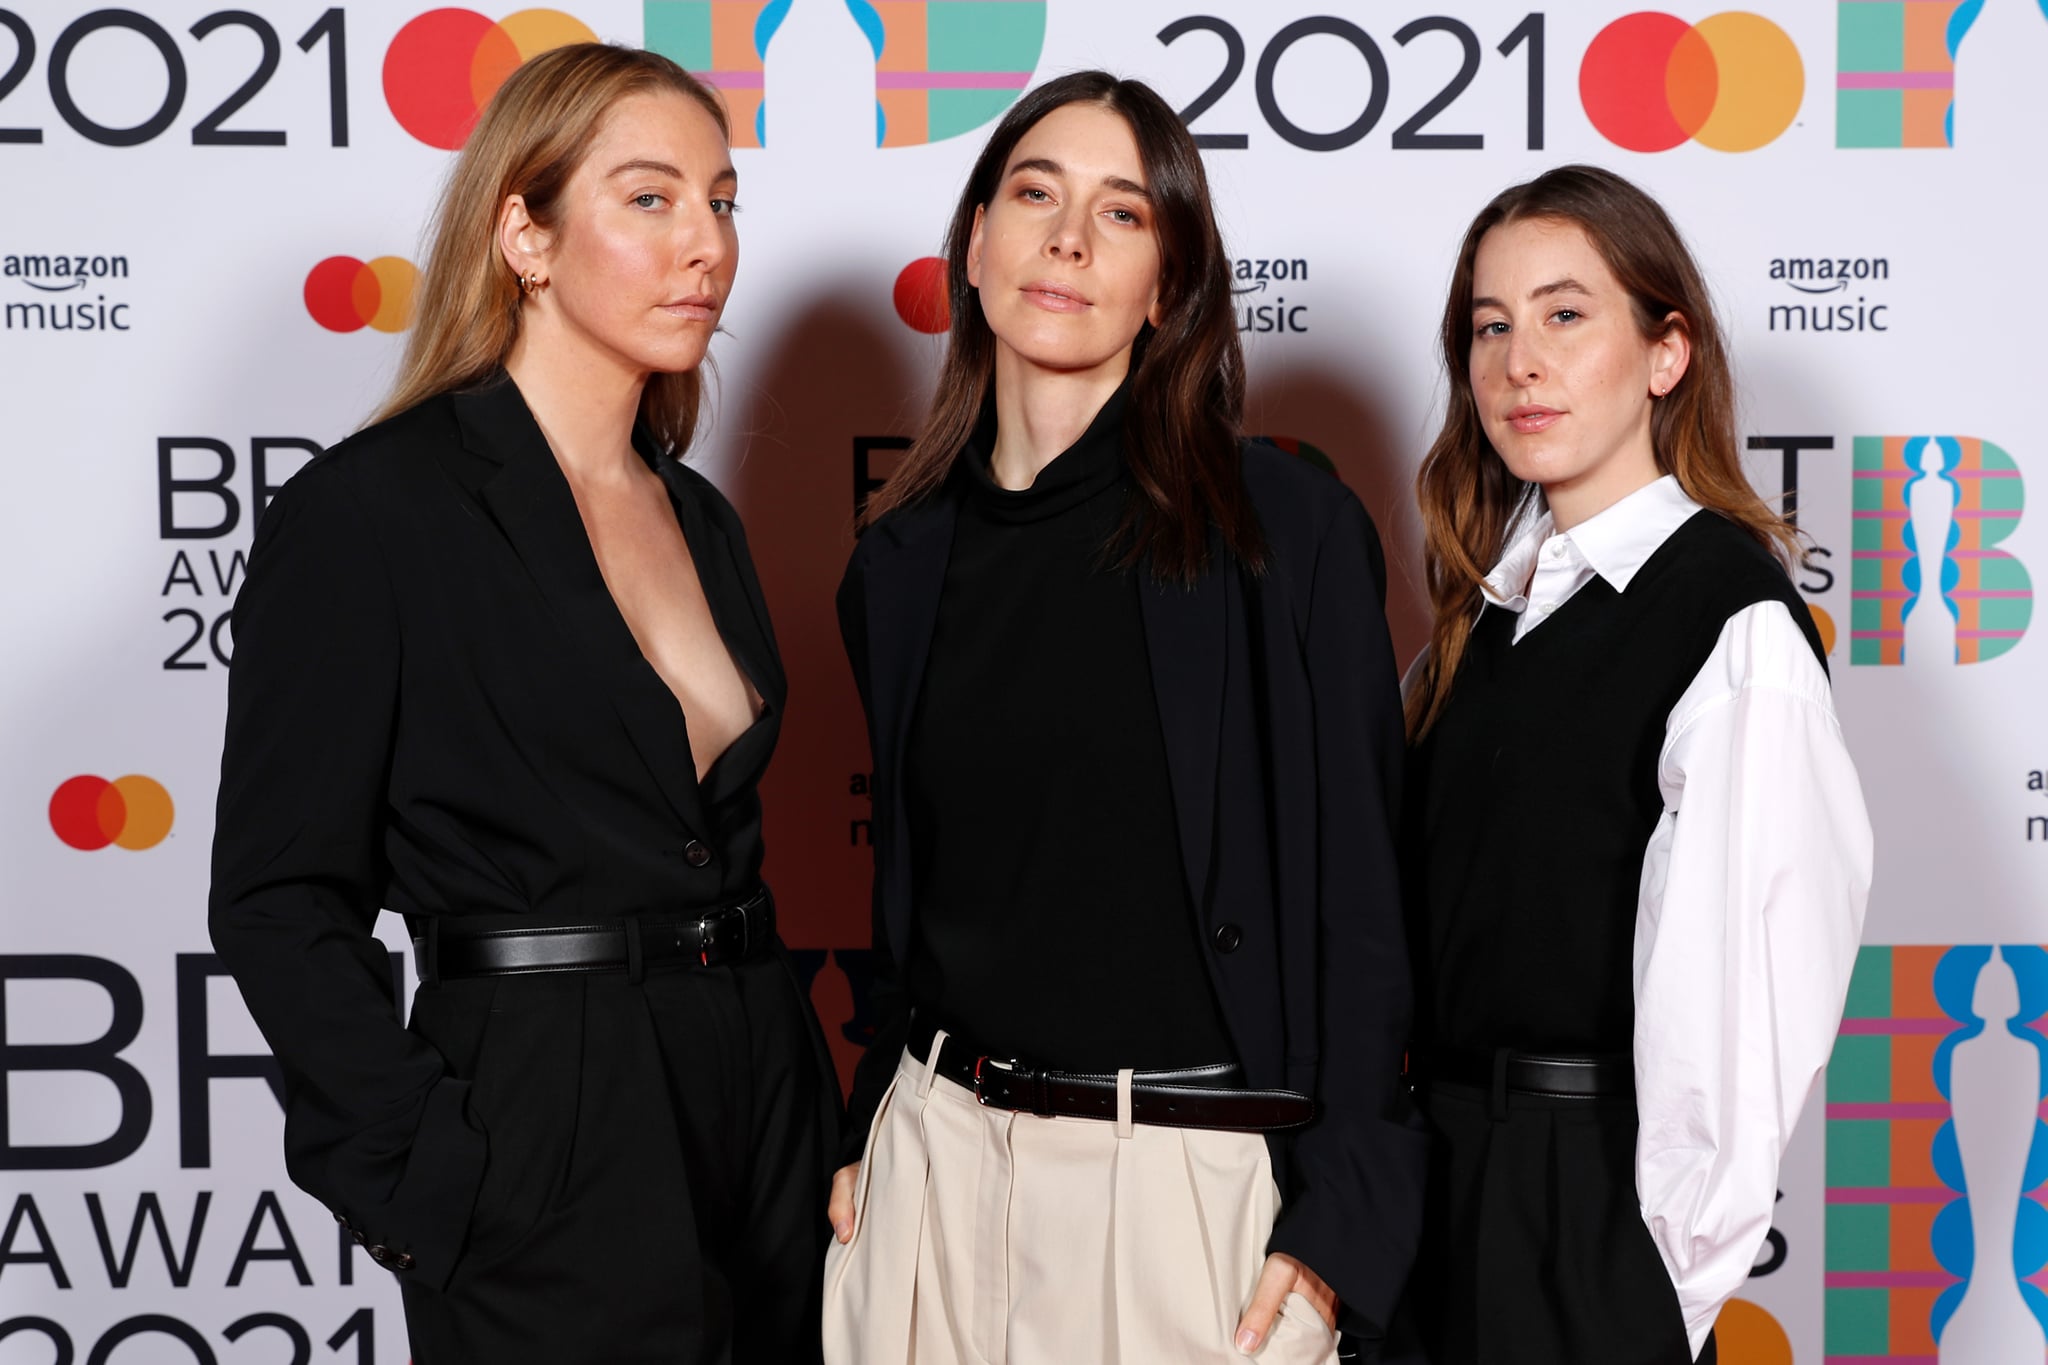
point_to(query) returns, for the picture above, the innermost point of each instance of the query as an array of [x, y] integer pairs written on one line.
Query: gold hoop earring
[[530, 282]]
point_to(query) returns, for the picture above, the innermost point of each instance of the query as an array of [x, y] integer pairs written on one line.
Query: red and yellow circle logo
[[344, 294], [920, 296], [1732, 82], [443, 67], [132, 812]]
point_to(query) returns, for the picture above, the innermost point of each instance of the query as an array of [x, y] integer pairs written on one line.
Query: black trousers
[[1534, 1250], [657, 1174]]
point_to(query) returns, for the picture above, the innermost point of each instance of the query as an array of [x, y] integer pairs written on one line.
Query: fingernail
[[842, 1229], [1247, 1341]]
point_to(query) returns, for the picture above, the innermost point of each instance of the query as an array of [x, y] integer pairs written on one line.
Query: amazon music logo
[[64, 292], [1830, 294]]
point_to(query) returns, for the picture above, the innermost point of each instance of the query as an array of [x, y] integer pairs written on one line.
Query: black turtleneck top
[[1053, 920]]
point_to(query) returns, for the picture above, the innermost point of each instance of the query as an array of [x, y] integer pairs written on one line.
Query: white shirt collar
[[1615, 542]]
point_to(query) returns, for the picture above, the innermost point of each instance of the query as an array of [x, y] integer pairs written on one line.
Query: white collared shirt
[[1751, 903]]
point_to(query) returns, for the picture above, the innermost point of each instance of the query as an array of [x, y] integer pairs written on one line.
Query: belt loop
[[636, 963], [931, 1063], [1497, 1096], [1123, 1102]]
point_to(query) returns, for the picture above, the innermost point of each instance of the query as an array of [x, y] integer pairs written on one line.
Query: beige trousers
[[986, 1237]]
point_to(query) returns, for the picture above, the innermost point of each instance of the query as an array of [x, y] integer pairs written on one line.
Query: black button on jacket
[[436, 709]]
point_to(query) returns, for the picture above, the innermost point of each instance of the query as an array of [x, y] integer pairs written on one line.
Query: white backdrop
[[169, 319]]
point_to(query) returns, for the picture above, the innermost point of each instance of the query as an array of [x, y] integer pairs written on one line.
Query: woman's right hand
[[839, 1209]]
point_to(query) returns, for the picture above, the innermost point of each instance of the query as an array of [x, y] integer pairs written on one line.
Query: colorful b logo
[[344, 294], [1732, 82], [132, 812], [443, 67], [1927, 512]]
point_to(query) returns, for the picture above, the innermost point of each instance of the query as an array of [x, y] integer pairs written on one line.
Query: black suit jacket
[[1279, 701], [437, 709]]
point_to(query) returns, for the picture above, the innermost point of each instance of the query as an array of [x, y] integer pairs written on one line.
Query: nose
[[1068, 239], [1524, 358], [705, 241]]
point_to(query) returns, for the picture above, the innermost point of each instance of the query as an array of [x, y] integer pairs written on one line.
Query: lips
[[1055, 297], [1533, 417], [694, 307]]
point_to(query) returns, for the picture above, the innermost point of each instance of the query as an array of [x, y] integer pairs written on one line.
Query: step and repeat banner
[[209, 229]]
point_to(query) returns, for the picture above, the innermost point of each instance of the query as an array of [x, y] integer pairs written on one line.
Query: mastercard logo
[[920, 296], [443, 67], [344, 294], [133, 812], [1732, 82]]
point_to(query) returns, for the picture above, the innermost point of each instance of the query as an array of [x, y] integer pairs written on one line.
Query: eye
[[1127, 217], [1034, 195], [1491, 329], [649, 200], [724, 208], [1566, 315]]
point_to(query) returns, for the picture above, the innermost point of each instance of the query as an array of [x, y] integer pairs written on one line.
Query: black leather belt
[[1211, 1096], [452, 947], [1552, 1075]]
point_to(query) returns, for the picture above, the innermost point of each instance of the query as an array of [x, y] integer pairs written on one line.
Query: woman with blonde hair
[[504, 668], [1636, 842]]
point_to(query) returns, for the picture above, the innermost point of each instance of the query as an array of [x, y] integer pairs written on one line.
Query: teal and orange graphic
[[946, 67], [725, 44], [1900, 1245], [1895, 75], [1732, 82], [344, 294], [443, 67], [1985, 592], [132, 812]]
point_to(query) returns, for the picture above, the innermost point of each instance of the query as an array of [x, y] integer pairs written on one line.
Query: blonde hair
[[531, 138]]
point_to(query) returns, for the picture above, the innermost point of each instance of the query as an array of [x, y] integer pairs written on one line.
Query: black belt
[[1552, 1075], [1211, 1096], [510, 945]]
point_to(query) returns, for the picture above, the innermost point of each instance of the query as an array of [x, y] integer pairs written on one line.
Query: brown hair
[[1185, 414], [1469, 498], [531, 138]]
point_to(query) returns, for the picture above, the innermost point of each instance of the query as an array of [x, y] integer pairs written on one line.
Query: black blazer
[[1281, 710], [436, 708]]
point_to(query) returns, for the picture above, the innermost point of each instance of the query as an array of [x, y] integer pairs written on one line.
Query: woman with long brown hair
[[1637, 846], [503, 667], [1133, 1095]]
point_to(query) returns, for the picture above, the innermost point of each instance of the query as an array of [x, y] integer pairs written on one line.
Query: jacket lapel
[[530, 500], [1187, 638], [902, 583]]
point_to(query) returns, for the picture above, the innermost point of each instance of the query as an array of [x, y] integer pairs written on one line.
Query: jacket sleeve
[[1353, 1211], [375, 1128], [888, 1005]]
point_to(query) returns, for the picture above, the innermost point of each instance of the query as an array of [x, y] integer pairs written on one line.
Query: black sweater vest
[[1533, 798]]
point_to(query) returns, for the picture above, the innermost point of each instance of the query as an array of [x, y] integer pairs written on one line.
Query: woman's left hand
[[1282, 1276]]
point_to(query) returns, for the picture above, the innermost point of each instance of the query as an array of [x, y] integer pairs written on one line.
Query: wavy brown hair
[[1470, 499], [531, 138], [1184, 418]]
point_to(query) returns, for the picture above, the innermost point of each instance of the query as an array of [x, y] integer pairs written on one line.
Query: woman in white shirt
[[1638, 850]]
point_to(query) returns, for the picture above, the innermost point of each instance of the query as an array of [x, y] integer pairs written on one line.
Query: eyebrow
[[1567, 285], [663, 168], [1047, 166]]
